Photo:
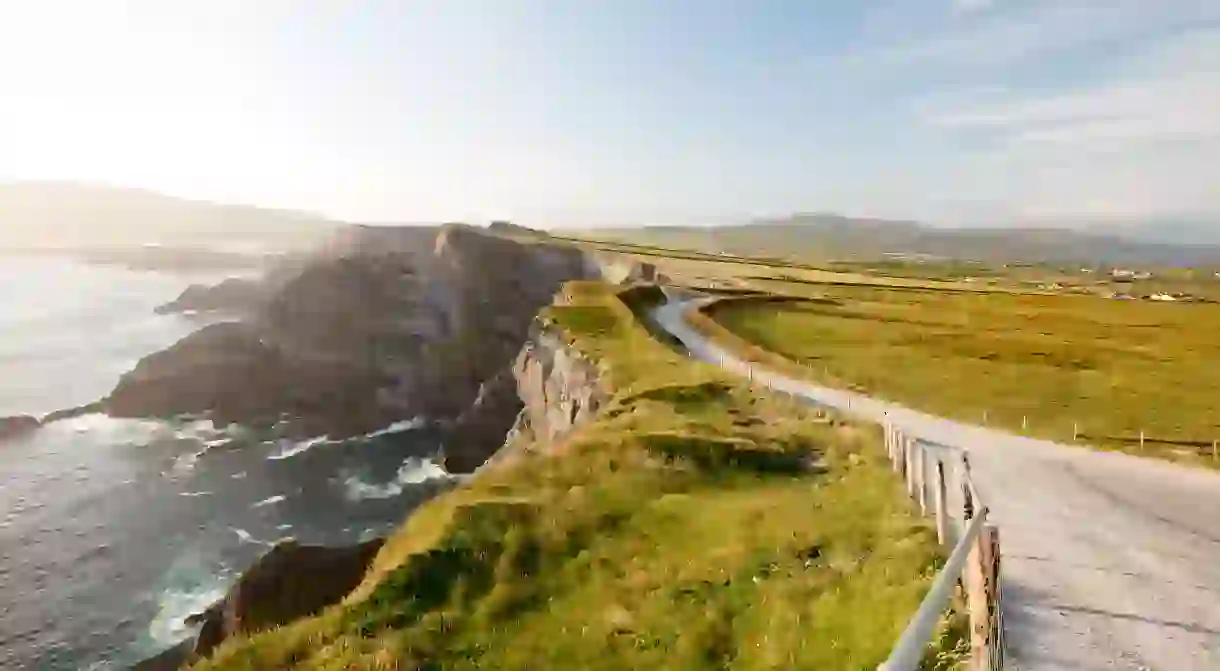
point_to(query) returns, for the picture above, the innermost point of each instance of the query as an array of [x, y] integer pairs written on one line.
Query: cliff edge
[[381, 329]]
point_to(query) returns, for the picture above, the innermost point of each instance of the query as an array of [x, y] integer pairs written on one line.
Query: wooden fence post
[[900, 452], [995, 600], [921, 479], [1141, 440], [978, 601], [910, 466], [967, 495], [1213, 449], [1075, 431], [942, 504]]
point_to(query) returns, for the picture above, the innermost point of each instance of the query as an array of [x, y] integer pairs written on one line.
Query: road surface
[[1110, 561]]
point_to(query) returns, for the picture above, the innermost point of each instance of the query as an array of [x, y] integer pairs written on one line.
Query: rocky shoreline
[[12, 428], [390, 324], [290, 581]]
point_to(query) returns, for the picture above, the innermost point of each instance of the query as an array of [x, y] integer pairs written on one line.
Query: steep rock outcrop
[[550, 388], [621, 270], [479, 432], [366, 333], [559, 388], [12, 428], [69, 413], [198, 374], [235, 295], [289, 582], [171, 659]]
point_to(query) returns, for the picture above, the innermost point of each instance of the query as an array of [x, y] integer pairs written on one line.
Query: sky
[[583, 112]]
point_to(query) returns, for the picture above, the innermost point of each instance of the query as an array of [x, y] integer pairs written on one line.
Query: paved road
[[1110, 561]]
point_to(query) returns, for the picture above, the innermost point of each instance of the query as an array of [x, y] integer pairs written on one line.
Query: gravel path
[[1110, 561]]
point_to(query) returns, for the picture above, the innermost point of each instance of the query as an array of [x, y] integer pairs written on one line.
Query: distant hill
[[830, 236], [1164, 230], [56, 214]]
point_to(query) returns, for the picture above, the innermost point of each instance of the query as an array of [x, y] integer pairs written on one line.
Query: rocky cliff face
[[16, 427], [234, 295], [550, 388], [560, 390], [374, 330], [291, 581]]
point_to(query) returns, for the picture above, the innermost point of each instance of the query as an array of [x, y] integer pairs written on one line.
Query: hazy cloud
[[971, 6], [1142, 138]]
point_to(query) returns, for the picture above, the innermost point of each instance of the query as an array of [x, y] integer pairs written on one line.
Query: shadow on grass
[[715, 453], [685, 394], [1148, 440], [487, 543], [878, 285]]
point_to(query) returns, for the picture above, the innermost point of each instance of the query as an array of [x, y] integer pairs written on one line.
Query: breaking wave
[[288, 448], [413, 471]]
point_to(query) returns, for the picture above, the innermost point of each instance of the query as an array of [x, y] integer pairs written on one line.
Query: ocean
[[114, 530]]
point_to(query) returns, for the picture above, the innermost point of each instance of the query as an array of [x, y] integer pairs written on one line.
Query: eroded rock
[[12, 428], [291, 581], [235, 295]]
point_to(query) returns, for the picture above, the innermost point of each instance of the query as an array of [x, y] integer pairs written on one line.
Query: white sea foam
[[269, 501], [413, 471], [397, 427], [194, 494], [145, 432], [246, 537], [112, 431], [288, 449], [189, 586], [186, 462], [169, 626]]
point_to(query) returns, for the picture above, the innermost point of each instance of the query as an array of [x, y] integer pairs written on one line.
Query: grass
[[692, 525], [723, 271], [1109, 369]]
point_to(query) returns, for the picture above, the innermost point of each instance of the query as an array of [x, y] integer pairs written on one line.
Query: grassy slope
[[682, 529], [1113, 368]]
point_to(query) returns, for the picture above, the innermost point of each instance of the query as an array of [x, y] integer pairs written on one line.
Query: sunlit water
[[112, 531]]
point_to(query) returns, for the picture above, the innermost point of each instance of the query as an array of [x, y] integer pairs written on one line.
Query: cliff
[[550, 388], [15, 427], [290, 581], [559, 387], [234, 295], [385, 325]]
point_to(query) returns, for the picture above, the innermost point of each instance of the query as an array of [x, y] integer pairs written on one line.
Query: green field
[[691, 525], [1052, 364]]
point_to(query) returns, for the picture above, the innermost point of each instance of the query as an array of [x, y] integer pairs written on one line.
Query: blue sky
[[625, 111]]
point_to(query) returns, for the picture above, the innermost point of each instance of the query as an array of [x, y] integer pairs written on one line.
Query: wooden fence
[[974, 561]]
